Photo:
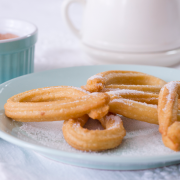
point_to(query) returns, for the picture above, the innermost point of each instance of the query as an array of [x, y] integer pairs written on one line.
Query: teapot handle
[[65, 7]]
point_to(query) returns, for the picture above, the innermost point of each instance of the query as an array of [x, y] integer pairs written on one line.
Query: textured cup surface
[[17, 54]]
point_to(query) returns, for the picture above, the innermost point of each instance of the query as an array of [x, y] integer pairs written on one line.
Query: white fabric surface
[[57, 48]]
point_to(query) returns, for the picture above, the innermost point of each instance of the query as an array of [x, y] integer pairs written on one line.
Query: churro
[[106, 95], [99, 81], [169, 127], [94, 140], [56, 103]]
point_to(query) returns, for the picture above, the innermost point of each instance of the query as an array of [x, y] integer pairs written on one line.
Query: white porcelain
[[128, 25], [18, 27], [165, 58]]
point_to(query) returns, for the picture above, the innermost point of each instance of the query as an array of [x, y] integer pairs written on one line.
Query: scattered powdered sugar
[[45, 133], [141, 138]]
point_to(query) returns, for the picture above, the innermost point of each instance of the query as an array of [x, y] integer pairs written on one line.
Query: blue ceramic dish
[[17, 54], [143, 149]]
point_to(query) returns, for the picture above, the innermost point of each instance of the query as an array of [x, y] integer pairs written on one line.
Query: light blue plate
[[77, 76]]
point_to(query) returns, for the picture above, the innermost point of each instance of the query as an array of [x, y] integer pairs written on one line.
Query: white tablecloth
[[57, 48]]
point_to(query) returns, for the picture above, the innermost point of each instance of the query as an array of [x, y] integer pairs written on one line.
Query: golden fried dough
[[94, 140], [56, 103]]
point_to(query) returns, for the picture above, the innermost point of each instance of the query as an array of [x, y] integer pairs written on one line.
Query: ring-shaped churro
[[141, 96], [146, 88], [136, 110], [94, 140], [99, 81], [56, 103], [169, 127]]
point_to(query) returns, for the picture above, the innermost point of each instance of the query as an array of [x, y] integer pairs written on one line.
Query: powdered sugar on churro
[[98, 84], [130, 102], [171, 87], [125, 101], [95, 77], [116, 120], [52, 87], [76, 125], [125, 91], [80, 89]]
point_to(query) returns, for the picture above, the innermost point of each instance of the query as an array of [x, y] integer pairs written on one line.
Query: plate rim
[[88, 156]]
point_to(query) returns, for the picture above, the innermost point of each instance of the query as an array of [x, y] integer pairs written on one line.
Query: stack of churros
[[106, 95]]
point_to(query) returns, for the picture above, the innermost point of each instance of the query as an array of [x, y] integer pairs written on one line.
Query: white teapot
[[129, 31]]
